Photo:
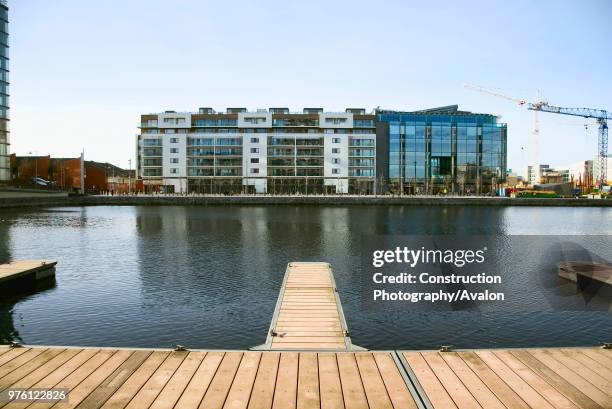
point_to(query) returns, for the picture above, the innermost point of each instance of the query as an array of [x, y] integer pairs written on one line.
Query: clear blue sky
[[83, 71]]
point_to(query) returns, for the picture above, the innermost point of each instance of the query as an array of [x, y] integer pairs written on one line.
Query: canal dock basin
[[312, 365], [26, 272]]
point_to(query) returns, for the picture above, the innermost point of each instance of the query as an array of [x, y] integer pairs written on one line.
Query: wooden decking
[[109, 378], [122, 378], [36, 269], [514, 378], [308, 312]]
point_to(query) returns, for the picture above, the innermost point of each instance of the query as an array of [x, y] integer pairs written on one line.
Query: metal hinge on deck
[[446, 348], [606, 345], [179, 348], [15, 344]]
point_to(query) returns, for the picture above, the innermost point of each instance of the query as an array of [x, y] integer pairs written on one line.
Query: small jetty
[[308, 313], [576, 270], [26, 271], [317, 368]]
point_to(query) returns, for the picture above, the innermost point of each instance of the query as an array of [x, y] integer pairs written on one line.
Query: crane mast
[[601, 116]]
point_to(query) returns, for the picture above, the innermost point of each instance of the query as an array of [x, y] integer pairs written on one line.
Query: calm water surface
[[208, 277]]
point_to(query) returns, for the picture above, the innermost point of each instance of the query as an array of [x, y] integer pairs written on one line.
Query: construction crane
[[600, 115], [536, 123]]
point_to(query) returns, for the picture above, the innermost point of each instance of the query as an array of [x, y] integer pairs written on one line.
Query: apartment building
[[264, 151]]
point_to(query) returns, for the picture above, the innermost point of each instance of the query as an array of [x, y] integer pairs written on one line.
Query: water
[[208, 277]]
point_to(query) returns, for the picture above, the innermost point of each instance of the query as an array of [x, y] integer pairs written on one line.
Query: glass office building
[[440, 150], [4, 97]]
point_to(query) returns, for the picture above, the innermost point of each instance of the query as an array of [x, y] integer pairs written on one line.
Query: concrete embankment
[[48, 201]]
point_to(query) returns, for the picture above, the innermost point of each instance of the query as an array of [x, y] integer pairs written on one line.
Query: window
[[329, 131], [335, 171], [335, 161], [255, 170], [173, 150], [174, 171], [180, 120], [255, 120], [254, 140], [173, 160], [335, 121], [170, 131], [254, 150], [335, 150], [254, 160], [173, 140], [335, 140]]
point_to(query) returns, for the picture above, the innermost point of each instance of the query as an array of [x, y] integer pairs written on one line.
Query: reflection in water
[[209, 277]]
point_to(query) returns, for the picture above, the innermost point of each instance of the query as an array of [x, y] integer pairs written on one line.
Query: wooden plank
[[557, 399], [522, 388], [91, 382], [352, 387], [308, 381], [575, 379], [20, 360], [299, 345], [12, 353], [240, 391], [557, 381], [199, 383], [265, 382], [495, 384], [374, 387], [44, 370], [110, 385], [597, 366], [73, 380], [285, 395], [452, 384], [435, 391], [600, 355], [29, 366], [171, 393], [222, 381], [396, 386], [605, 385], [154, 385], [329, 378], [132, 385], [472, 382]]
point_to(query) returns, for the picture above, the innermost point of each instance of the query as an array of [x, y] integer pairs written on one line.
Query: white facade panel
[[254, 120], [335, 120], [335, 161], [255, 149], [174, 120], [174, 161]]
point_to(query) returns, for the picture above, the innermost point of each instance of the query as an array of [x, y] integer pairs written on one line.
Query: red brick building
[[65, 174]]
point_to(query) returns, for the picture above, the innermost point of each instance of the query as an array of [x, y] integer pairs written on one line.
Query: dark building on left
[[4, 95]]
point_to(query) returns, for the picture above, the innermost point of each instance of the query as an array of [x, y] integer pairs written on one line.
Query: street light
[[35, 167]]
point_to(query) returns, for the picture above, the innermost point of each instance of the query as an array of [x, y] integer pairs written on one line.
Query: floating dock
[[574, 270], [26, 270], [308, 313], [309, 362], [140, 378]]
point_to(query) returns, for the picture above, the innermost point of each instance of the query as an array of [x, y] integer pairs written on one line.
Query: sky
[[82, 72]]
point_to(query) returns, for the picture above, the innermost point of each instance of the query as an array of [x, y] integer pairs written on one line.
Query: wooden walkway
[[35, 269], [308, 312], [115, 378], [573, 270], [513, 378], [139, 378]]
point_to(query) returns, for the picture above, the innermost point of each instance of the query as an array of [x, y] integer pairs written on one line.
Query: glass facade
[[444, 151], [4, 96]]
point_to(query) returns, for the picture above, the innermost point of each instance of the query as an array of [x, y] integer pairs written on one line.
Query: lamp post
[[35, 166]]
